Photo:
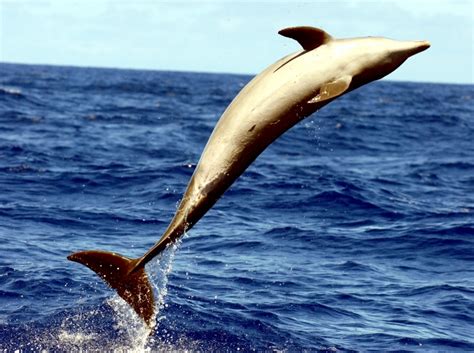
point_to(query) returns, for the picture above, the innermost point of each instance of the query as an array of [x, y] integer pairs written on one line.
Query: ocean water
[[353, 232]]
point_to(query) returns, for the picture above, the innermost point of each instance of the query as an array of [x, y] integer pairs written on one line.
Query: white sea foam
[[136, 334], [75, 338], [80, 331], [10, 90]]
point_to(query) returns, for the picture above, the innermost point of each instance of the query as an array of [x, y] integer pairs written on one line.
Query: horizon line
[[202, 72]]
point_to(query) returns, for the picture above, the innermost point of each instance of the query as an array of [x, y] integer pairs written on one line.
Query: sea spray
[[88, 328], [79, 331], [158, 270], [135, 334]]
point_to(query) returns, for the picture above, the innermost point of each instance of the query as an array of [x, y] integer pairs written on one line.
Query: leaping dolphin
[[285, 93]]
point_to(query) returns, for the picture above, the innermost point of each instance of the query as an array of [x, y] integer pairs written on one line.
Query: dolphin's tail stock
[[125, 275]]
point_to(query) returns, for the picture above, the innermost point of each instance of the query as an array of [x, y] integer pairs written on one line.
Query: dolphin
[[283, 94]]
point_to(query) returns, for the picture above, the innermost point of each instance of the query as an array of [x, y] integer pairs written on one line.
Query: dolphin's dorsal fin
[[309, 37]]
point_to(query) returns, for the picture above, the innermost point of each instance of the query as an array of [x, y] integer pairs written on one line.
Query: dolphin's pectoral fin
[[332, 89], [121, 273], [309, 37]]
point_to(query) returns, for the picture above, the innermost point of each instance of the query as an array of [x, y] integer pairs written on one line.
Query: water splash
[[75, 339], [88, 329], [82, 330], [158, 270], [136, 335], [132, 331]]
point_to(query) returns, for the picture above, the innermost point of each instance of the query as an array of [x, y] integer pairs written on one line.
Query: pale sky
[[229, 36]]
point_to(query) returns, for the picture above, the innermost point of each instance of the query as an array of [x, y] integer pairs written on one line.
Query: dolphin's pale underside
[[279, 97]]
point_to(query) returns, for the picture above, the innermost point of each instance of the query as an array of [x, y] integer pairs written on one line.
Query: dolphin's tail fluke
[[122, 274]]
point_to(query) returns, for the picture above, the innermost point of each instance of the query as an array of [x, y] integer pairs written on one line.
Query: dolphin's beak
[[421, 46], [416, 47]]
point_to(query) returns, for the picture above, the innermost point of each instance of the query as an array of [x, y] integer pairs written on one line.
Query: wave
[[350, 233], [11, 92]]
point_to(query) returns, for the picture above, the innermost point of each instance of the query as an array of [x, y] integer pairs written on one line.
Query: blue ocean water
[[352, 232]]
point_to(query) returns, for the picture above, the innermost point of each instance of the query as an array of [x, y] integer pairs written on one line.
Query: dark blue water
[[353, 232]]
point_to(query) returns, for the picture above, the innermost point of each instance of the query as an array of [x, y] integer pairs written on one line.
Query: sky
[[229, 36]]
